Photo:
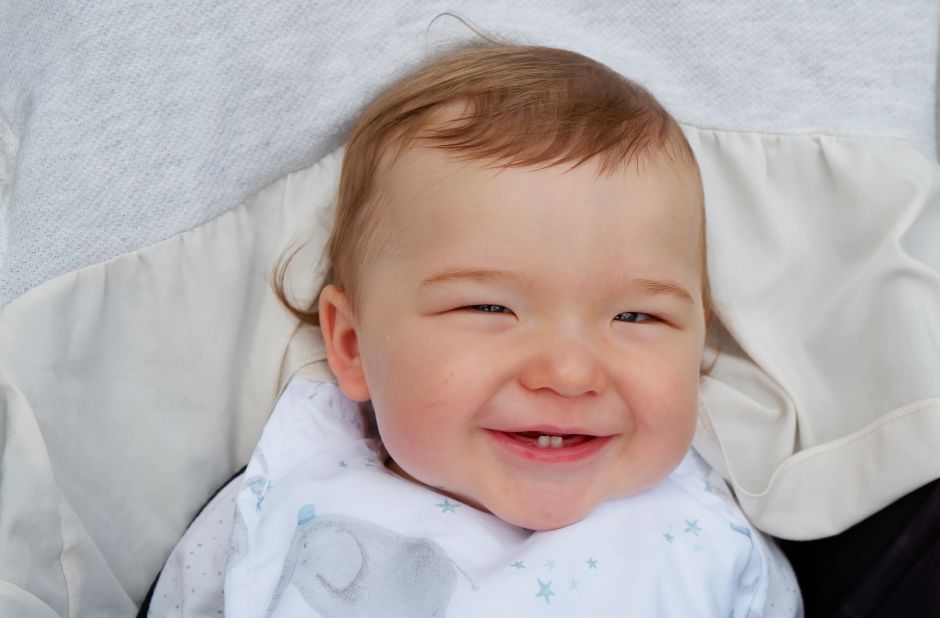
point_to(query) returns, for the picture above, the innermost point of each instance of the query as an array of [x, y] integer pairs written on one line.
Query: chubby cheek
[[425, 405], [673, 418], [427, 369], [422, 444], [664, 408]]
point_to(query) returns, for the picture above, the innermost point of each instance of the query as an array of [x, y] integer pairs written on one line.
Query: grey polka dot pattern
[[191, 583]]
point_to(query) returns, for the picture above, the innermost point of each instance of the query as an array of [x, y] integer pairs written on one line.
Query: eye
[[633, 316], [489, 308]]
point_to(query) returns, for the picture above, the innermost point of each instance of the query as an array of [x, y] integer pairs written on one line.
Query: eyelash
[[489, 308], [633, 317]]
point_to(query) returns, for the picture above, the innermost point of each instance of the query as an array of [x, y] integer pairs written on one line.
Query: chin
[[543, 518]]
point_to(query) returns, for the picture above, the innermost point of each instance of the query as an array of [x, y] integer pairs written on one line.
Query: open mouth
[[548, 446], [541, 440]]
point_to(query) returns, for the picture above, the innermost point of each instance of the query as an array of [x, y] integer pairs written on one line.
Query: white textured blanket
[[123, 124]]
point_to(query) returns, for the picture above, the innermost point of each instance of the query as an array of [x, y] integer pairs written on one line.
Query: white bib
[[322, 528]]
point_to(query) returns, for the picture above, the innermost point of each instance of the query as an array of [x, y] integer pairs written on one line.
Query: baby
[[517, 290]]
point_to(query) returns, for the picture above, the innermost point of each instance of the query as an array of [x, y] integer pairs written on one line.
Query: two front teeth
[[550, 442]]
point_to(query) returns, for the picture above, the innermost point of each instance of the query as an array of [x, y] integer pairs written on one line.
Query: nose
[[569, 368]]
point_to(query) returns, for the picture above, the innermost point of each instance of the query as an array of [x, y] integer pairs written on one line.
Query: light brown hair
[[520, 106]]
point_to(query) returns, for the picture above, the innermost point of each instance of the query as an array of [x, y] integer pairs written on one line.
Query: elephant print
[[346, 567]]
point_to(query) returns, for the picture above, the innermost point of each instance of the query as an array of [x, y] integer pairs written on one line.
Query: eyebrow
[[654, 286], [473, 274], [651, 286]]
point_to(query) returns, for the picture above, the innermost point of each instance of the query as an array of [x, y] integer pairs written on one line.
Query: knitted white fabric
[[123, 124]]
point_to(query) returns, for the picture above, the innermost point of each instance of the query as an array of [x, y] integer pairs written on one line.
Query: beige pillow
[[825, 270], [133, 388]]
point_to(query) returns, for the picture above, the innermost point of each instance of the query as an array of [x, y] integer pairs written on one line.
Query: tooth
[[556, 441], [544, 441]]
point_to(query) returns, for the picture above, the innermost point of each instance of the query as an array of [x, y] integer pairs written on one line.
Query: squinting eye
[[633, 316], [489, 308]]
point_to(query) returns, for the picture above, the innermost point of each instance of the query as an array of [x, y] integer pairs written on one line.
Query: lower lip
[[549, 455]]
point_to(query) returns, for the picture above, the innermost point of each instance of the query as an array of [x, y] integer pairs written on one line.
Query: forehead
[[572, 224], [430, 186]]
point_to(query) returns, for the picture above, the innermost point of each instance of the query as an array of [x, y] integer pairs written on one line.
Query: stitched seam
[[824, 449]]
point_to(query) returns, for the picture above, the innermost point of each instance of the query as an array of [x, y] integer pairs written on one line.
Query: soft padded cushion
[[825, 270], [130, 390], [133, 388]]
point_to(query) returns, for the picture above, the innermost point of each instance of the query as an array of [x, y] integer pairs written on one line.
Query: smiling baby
[[515, 312]]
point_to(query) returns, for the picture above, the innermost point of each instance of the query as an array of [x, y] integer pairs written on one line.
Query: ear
[[338, 326]]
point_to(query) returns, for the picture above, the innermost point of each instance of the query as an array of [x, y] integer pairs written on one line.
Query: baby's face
[[530, 340]]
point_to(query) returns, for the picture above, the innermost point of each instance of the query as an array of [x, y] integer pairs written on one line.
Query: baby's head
[[517, 282]]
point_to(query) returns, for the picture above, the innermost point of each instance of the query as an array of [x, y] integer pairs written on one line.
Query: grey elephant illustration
[[343, 566]]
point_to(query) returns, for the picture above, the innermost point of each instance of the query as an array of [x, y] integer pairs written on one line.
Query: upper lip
[[551, 430]]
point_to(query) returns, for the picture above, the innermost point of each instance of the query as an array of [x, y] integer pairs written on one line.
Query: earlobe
[[338, 326]]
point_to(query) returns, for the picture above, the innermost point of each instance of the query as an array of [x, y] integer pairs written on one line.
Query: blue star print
[[591, 562], [697, 548], [259, 486], [668, 538], [518, 564], [343, 464], [692, 526], [550, 564], [545, 590], [573, 584], [447, 505]]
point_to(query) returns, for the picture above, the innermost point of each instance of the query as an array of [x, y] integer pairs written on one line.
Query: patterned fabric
[[322, 527]]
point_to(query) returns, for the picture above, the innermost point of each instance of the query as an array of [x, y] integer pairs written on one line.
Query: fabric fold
[[830, 348], [147, 379]]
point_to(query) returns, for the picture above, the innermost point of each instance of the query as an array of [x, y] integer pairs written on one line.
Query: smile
[[549, 446], [542, 440]]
